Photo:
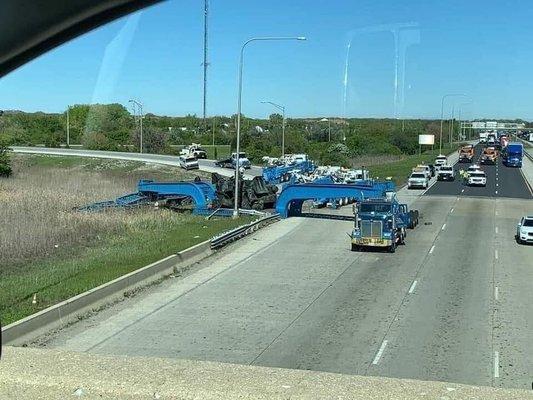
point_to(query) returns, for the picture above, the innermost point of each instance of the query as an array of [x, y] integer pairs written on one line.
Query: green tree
[[107, 127], [5, 161], [155, 140]]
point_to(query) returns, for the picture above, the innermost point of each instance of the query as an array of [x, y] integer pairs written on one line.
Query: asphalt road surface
[[453, 304], [502, 181]]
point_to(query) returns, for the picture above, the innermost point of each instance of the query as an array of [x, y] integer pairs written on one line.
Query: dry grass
[[49, 253], [36, 205]]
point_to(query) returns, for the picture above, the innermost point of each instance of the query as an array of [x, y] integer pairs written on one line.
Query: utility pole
[[68, 126], [213, 129], [205, 64], [140, 108]]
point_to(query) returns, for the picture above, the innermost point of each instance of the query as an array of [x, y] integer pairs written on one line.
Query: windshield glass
[[105, 194], [528, 222]]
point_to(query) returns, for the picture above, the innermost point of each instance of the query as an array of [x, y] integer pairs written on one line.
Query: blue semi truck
[[512, 154], [382, 223]]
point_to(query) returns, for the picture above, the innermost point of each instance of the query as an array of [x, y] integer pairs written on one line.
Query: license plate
[[372, 241]]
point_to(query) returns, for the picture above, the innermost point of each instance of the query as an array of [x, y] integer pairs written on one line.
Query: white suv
[[441, 160], [477, 178], [524, 230], [418, 180]]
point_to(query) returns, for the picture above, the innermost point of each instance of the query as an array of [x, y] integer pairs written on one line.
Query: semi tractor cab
[[382, 223], [489, 155], [512, 155], [466, 154]]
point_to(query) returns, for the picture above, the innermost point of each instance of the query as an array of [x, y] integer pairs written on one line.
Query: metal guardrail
[[528, 155], [237, 233]]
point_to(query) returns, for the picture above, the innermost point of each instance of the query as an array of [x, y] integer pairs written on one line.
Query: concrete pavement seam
[[305, 309], [184, 293], [417, 273]]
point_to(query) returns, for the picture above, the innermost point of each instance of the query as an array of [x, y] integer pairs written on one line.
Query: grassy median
[[50, 252], [400, 170]]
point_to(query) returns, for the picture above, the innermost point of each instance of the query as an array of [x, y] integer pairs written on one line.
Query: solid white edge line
[[496, 364], [431, 250], [496, 293], [380, 352], [413, 286]]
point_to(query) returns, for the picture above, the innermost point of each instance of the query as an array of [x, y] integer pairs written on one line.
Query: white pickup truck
[[446, 173], [418, 180]]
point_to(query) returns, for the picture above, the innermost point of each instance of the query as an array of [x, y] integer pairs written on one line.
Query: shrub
[[5, 162]]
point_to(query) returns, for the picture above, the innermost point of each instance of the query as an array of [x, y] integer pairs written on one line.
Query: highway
[[501, 182], [205, 165], [454, 304]]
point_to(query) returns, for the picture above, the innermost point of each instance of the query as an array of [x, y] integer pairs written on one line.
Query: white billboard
[[426, 139]]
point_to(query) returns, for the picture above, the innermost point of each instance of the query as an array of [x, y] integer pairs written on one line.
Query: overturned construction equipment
[[254, 194]]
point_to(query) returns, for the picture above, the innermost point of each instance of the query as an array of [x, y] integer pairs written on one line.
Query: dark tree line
[[113, 127]]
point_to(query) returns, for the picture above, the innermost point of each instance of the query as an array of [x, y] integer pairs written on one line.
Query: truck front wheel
[[392, 248]]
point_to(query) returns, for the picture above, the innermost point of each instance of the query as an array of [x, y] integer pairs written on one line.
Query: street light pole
[[462, 129], [140, 106], [239, 103], [282, 109], [451, 124], [442, 115]]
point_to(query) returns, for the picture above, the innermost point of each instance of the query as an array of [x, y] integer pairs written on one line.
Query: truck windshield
[[379, 208], [528, 222]]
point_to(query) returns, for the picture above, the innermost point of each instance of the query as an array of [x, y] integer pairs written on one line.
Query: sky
[[362, 58]]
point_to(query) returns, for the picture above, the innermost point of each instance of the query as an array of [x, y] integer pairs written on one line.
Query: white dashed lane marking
[[496, 364], [380, 352]]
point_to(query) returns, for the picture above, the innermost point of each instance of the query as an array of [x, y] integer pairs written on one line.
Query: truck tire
[[403, 234], [412, 219], [392, 248]]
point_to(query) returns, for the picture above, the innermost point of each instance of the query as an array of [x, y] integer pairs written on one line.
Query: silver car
[[188, 162]]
